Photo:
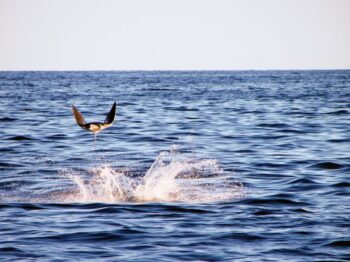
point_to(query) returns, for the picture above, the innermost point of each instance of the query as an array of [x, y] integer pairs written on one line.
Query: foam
[[172, 177]]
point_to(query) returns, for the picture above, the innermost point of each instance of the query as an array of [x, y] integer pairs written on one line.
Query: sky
[[174, 34]]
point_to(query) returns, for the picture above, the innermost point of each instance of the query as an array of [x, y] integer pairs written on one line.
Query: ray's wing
[[111, 115], [78, 117]]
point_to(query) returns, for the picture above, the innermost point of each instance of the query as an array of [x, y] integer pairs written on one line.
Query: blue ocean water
[[199, 166]]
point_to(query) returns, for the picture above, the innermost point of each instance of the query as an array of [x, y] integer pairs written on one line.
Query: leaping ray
[[95, 127]]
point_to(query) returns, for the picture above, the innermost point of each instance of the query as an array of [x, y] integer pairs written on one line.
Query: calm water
[[200, 166]]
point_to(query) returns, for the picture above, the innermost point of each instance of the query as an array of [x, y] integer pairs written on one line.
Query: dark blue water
[[199, 166]]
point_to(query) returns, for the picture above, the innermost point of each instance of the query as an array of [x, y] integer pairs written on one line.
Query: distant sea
[[199, 166]]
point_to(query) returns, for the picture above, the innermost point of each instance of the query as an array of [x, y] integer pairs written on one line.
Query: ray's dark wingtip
[[111, 115], [74, 108]]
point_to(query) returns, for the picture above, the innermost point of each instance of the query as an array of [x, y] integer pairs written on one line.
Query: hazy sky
[[174, 34]]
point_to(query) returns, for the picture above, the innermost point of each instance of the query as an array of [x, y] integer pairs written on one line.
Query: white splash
[[171, 178]]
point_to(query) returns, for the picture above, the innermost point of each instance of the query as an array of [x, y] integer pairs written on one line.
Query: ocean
[[198, 166]]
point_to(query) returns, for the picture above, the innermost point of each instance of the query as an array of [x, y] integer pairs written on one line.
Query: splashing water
[[172, 177]]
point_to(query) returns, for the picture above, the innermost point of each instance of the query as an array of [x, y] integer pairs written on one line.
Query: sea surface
[[199, 166]]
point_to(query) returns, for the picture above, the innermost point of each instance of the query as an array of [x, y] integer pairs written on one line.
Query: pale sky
[[174, 34]]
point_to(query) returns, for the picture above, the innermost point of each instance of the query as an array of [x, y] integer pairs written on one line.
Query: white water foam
[[171, 178]]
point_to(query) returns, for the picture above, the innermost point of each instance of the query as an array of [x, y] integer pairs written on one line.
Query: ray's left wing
[[78, 117]]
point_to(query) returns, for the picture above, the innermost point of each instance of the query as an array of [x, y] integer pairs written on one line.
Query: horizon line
[[171, 70]]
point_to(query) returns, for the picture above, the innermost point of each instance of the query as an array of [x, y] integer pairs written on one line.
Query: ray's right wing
[[111, 115]]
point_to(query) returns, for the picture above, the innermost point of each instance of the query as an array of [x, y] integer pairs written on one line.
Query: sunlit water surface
[[199, 166]]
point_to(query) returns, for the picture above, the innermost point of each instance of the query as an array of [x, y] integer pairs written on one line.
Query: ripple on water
[[271, 201], [327, 165], [20, 138], [339, 112], [7, 119], [302, 184], [343, 243], [342, 184]]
